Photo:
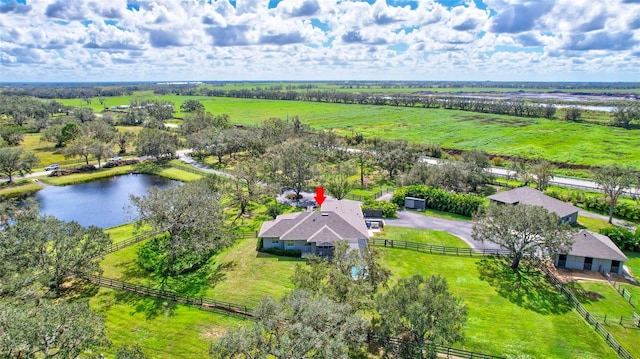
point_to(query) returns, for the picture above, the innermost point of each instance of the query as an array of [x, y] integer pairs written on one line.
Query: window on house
[[289, 243], [307, 244], [274, 241]]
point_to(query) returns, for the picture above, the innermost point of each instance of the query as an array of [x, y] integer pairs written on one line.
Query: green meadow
[[556, 140]]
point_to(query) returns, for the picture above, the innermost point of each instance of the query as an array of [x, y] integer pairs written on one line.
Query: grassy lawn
[[634, 266], [426, 236], [444, 215], [510, 315], [88, 176], [592, 224], [163, 330], [238, 274], [123, 232], [633, 263], [501, 305], [18, 188], [600, 299]]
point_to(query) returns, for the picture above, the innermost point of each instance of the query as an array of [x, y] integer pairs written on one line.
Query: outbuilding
[[568, 213], [592, 252]]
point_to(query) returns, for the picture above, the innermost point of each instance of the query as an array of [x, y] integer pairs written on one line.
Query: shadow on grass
[[79, 289], [197, 283], [583, 296], [150, 307], [526, 287]]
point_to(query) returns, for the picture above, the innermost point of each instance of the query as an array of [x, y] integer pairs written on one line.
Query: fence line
[[433, 249], [201, 302], [130, 241], [237, 310], [590, 318], [448, 351]]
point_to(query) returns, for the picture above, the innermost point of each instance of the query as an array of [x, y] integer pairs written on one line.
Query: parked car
[[52, 167], [113, 159]]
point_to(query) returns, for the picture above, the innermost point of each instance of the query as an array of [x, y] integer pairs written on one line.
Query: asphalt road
[[556, 180]]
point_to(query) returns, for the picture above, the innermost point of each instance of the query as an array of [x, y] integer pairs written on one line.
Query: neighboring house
[[317, 232], [526, 195], [593, 252]]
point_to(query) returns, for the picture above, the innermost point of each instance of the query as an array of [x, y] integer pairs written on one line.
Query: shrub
[[152, 257], [388, 209], [624, 238], [440, 200], [498, 161], [596, 203], [283, 252], [274, 209]]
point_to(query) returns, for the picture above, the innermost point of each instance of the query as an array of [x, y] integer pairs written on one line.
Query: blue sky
[[500, 40]]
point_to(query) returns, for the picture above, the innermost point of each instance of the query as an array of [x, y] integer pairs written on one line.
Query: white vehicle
[[52, 167], [113, 159]]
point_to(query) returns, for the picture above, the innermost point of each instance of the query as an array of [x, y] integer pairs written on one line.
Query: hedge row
[[440, 200], [597, 203], [283, 252], [625, 239], [388, 209]]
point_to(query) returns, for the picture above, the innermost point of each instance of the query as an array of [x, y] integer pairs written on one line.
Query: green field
[[522, 316], [555, 140], [510, 315], [162, 329]]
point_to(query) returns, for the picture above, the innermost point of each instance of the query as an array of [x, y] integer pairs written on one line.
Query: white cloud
[[313, 39]]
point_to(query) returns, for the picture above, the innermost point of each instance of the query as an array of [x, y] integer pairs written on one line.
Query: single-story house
[[316, 232], [568, 213], [593, 252]]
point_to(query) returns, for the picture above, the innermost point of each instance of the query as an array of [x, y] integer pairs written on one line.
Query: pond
[[102, 202]]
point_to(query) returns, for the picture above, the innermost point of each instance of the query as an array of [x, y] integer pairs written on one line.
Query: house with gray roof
[[593, 252], [568, 213], [317, 232]]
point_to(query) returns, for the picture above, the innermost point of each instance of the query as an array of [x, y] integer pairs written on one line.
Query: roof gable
[[595, 245], [531, 196]]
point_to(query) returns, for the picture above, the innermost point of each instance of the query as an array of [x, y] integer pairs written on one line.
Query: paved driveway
[[461, 229]]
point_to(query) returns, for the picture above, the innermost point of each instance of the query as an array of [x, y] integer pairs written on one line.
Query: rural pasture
[[555, 140]]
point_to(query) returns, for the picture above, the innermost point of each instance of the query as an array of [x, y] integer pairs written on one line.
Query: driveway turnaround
[[460, 229]]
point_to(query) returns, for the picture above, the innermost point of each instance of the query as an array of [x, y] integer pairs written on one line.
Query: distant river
[[101, 202]]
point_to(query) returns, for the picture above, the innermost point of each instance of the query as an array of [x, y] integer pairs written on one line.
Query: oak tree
[[522, 230]]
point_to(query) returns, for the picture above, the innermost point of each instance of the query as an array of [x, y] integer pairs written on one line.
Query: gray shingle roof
[[595, 245], [531, 196], [338, 220]]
